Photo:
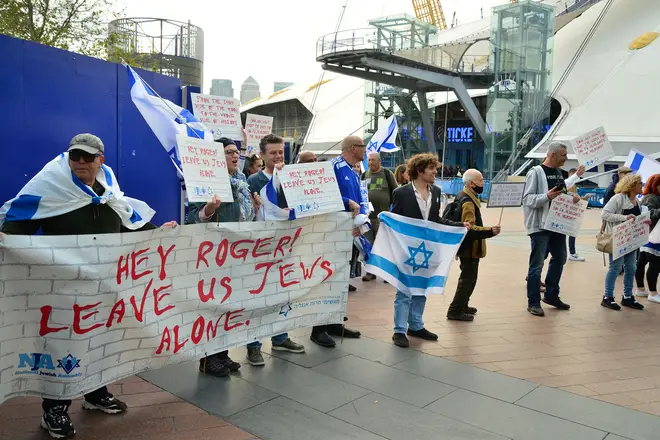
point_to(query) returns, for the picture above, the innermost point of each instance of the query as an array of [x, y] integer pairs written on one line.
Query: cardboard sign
[[311, 188], [80, 312], [364, 192], [256, 127], [629, 236], [593, 148], [204, 169], [220, 114], [565, 216], [506, 194]]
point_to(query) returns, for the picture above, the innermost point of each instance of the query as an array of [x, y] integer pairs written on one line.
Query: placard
[[204, 169], [256, 127], [220, 114], [311, 188], [629, 236], [565, 216], [80, 312], [506, 194], [364, 192], [593, 148]]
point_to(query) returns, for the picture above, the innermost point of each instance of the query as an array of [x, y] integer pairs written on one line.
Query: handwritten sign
[[565, 216], [80, 312], [311, 188], [220, 114], [506, 194], [364, 192], [204, 169], [593, 148], [629, 236], [256, 127]]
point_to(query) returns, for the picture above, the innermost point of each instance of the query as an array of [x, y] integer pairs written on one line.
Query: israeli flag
[[269, 209], [55, 190], [384, 140], [165, 118], [642, 164], [414, 255]]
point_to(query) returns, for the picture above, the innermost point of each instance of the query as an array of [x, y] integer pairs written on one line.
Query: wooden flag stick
[[499, 223]]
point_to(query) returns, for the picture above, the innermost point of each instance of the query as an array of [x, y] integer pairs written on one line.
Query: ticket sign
[[256, 127], [506, 194], [220, 114], [629, 236], [565, 216], [204, 169], [593, 148], [311, 188]]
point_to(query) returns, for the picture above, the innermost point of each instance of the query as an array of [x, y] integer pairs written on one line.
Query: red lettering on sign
[[43, 325], [222, 249], [159, 297], [77, 310], [166, 338], [178, 345], [204, 248], [267, 265], [231, 315], [283, 241], [325, 265], [242, 253], [284, 271], [261, 242], [118, 309], [136, 262], [197, 330], [163, 260], [140, 311]]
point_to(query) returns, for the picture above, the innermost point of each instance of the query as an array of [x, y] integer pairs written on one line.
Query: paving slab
[[602, 415], [510, 420], [314, 354], [459, 375], [376, 351], [398, 384], [396, 420], [284, 419]]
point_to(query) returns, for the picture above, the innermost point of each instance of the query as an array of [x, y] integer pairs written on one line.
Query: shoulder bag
[[604, 241]]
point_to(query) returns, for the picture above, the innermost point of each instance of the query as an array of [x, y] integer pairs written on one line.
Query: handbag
[[604, 241]]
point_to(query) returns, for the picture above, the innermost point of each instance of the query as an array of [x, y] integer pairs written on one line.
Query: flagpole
[[444, 141]]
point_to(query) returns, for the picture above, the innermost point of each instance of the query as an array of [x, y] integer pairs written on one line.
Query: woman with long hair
[[622, 208], [650, 252], [401, 175]]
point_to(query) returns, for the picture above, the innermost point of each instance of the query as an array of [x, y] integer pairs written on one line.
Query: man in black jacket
[[86, 161], [419, 199]]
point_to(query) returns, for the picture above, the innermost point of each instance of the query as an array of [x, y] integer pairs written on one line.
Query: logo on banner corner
[[42, 364]]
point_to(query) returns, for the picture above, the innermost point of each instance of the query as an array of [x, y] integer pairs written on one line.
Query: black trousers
[[94, 396], [653, 262], [467, 281]]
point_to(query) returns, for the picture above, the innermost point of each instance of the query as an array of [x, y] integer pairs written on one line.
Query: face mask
[[478, 189]]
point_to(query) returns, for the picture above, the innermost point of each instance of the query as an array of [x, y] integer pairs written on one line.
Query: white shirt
[[424, 204]]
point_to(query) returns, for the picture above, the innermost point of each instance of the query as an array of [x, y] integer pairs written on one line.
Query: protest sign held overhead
[[311, 188], [79, 312], [506, 194], [256, 127], [565, 216], [204, 169], [629, 236], [220, 114], [593, 148]]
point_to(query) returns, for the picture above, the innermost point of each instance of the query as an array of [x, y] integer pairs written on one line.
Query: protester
[[473, 247], [272, 152], [572, 253], [307, 157], [650, 252], [356, 266], [380, 185], [609, 192], [544, 183], [401, 175], [242, 209], [76, 194], [419, 199], [253, 164], [352, 153], [621, 208]]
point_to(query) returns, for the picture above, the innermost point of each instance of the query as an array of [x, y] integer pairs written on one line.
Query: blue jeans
[[544, 243], [408, 311], [275, 340], [629, 264]]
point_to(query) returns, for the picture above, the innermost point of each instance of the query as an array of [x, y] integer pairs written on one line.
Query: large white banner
[[79, 312]]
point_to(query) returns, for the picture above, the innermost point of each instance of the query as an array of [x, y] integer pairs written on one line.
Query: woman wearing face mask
[[242, 209]]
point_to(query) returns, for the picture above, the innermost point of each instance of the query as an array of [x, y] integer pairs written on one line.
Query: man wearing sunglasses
[[75, 194]]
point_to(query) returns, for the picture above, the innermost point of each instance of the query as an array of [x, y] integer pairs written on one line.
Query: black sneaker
[[400, 340], [107, 404], [423, 334], [460, 317], [609, 303], [631, 303], [556, 303], [213, 366], [471, 310], [323, 339], [536, 310], [351, 288], [227, 362], [57, 422], [369, 277]]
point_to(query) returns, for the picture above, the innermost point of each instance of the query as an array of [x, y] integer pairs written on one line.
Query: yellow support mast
[[430, 11]]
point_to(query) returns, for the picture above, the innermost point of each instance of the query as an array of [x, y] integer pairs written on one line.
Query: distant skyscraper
[[279, 85], [249, 90], [222, 87]]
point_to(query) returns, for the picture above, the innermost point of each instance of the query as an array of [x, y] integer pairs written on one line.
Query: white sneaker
[[640, 292], [654, 297], [575, 257]]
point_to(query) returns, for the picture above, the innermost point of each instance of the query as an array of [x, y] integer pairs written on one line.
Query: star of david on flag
[[413, 255]]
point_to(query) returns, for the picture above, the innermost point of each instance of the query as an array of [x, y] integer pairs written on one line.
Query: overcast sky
[[276, 40]]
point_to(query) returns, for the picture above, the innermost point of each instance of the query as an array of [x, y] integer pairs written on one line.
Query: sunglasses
[[76, 155]]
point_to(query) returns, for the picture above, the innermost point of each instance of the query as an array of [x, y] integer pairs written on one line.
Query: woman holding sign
[[621, 208], [650, 252]]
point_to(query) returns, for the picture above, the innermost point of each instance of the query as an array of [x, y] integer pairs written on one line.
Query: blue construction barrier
[[594, 196], [451, 187]]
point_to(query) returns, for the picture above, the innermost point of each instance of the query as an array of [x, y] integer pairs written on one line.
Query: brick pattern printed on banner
[[220, 114], [565, 216], [79, 312], [629, 236], [311, 188]]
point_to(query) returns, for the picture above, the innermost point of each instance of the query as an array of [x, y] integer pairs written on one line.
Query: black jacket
[[404, 202]]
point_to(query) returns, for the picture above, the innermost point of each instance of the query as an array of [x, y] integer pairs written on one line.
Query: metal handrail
[[370, 38]]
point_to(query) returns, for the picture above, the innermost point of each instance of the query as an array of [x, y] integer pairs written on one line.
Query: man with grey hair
[[307, 157], [473, 247], [380, 185], [543, 184]]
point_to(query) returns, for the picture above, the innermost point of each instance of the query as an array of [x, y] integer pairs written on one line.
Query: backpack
[[454, 210]]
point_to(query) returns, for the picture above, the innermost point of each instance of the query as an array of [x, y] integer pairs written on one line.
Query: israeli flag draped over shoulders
[[642, 164], [55, 190], [414, 255], [269, 209], [165, 118], [384, 140]]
